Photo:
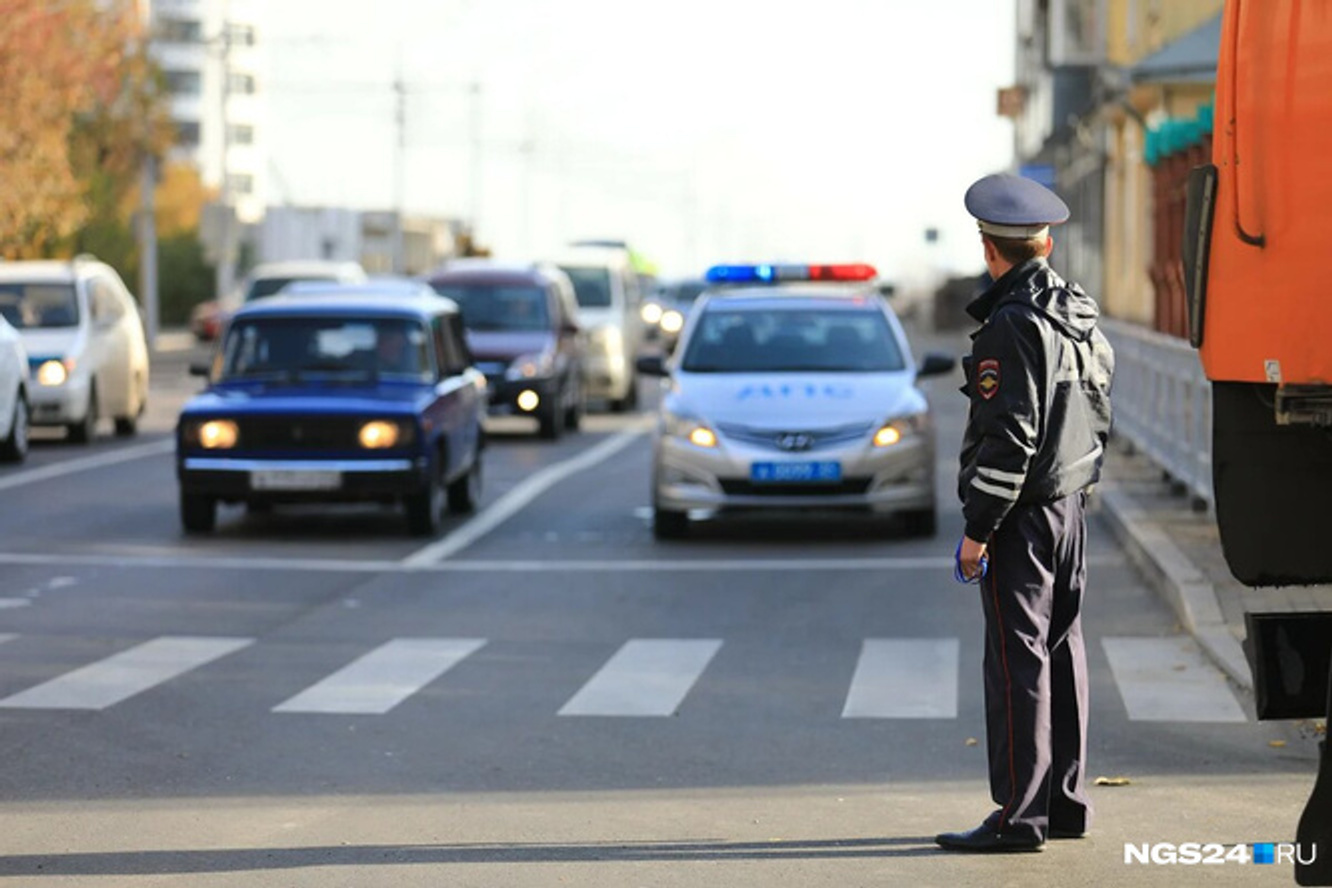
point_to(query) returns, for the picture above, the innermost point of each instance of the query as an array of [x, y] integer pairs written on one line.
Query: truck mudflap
[[1290, 655]]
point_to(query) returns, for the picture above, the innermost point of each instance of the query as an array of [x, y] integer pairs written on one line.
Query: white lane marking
[[904, 678], [6, 636], [86, 463], [1169, 679], [11, 603], [125, 674], [646, 677], [380, 680], [336, 565], [518, 498]]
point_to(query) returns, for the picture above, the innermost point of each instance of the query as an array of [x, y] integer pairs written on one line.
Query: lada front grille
[[300, 434]]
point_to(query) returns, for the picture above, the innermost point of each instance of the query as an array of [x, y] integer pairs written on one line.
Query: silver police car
[[798, 392]]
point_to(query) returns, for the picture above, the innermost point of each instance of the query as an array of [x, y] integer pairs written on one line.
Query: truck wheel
[[198, 514]]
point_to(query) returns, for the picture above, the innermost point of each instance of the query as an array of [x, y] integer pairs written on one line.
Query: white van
[[85, 342], [609, 297]]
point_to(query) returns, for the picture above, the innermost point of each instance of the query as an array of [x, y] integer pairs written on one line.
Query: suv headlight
[[688, 428], [894, 430], [531, 366]]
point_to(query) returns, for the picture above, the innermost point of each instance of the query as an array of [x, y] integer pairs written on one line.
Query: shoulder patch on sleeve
[[987, 378]]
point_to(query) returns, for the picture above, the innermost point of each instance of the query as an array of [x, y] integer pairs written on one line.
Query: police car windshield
[[307, 348], [777, 340], [34, 306], [486, 307]]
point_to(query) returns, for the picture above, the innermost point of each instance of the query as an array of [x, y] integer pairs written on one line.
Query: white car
[[13, 394], [85, 342], [793, 396], [609, 310]]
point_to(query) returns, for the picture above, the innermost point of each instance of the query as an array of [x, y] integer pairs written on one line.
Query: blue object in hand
[[957, 568]]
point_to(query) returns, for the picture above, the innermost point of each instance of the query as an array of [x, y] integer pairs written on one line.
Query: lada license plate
[[795, 472], [287, 479]]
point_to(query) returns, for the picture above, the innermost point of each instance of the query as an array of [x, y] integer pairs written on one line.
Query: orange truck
[[1258, 272]]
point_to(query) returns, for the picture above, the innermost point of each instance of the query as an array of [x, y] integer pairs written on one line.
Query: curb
[[1176, 579]]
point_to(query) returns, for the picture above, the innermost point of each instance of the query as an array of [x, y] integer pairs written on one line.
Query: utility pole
[[148, 246], [399, 173]]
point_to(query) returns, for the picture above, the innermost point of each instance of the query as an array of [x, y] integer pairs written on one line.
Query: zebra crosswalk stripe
[[380, 680], [1169, 679], [904, 678], [121, 676], [645, 677]]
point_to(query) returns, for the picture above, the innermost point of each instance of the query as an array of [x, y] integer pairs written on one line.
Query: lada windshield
[[790, 340], [309, 348], [38, 305]]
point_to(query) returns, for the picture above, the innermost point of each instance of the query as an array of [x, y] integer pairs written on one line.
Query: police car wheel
[[198, 514], [667, 525], [921, 522]]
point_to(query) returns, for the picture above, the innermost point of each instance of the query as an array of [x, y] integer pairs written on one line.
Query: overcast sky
[[700, 130]]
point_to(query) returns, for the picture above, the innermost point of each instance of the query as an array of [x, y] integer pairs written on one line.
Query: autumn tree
[[81, 104]]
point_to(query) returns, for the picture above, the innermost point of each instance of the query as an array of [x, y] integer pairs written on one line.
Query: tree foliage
[[81, 104]]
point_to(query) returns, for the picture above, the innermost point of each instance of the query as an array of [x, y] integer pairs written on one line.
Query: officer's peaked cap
[[1013, 206]]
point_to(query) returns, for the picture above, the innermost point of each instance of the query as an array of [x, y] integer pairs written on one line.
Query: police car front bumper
[[895, 478]]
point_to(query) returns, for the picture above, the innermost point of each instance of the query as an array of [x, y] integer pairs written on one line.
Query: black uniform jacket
[[1039, 383]]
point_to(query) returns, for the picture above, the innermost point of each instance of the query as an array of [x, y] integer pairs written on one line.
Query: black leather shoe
[[1057, 833], [985, 839]]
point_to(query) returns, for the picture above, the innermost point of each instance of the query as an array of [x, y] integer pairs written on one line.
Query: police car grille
[[303, 434], [817, 438], [846, 487]]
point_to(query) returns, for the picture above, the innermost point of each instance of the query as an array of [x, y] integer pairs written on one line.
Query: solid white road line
[[1169, 679], [125, 674], [7, 637], [646, 677], [517, 499], [376, 682], [86, 463], [904, 678]]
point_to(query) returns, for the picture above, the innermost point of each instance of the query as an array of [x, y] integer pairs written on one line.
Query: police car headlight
[[893, 431], [531, 366], [689, 428], [215, 434], [672, 321], [54, 372], [651, 312]]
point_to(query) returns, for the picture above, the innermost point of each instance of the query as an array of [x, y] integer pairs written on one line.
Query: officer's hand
[[969, 557]]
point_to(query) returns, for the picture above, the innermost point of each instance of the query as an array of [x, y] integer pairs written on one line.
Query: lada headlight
[[382, 434], [55, 372], [213, 434]]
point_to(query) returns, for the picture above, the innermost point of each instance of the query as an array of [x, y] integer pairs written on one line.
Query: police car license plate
[[795, 472], [286, 479]]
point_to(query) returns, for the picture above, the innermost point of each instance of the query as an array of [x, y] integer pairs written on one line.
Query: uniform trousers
[[1036, 669]]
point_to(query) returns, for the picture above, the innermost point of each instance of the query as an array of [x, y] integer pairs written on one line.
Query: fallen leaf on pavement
[[1112, 781]]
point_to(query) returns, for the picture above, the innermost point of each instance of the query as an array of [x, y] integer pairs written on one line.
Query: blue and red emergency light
[[773, 274]]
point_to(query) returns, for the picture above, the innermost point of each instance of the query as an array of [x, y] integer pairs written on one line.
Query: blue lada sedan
[[337, 393]]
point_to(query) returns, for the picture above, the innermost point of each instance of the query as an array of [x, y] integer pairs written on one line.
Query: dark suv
[[522, 327]]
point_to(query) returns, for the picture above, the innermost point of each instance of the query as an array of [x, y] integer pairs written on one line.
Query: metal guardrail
[[1163, 402]]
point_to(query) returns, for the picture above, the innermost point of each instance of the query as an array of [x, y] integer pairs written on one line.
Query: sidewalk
[[1178, 551]]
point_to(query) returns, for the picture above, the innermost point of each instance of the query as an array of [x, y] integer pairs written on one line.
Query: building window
[[183, 83], [241, 134], [187, 133], [242, 84], [241, 35], [173, 30], [242, 183]]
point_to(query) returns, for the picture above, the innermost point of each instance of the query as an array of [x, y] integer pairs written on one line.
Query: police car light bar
[[771, 274]]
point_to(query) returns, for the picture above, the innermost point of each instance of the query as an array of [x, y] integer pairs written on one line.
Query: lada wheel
[[198, 514], [667, 525], [424, 509], [465, 493]]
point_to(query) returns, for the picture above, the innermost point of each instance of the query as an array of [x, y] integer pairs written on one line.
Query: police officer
[[1039, 384]]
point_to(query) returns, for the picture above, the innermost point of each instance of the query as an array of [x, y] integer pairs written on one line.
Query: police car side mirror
[[936, 364], [651, 365]]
